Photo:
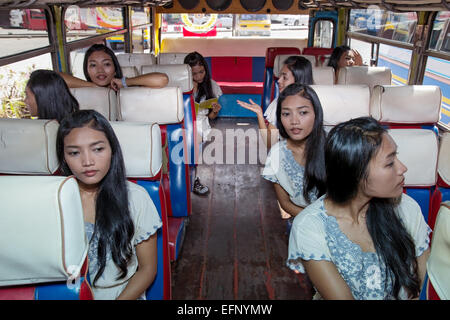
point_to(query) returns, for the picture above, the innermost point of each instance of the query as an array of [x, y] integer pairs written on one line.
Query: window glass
[[22, 30], [440, 36], [13, 79], [235, 25], [399, 26], [323, 34], [87, 22]]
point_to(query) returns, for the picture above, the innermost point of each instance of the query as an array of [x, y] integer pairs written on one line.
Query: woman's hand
[[116, 84], [358, 58], [252, 106], [215, 110]]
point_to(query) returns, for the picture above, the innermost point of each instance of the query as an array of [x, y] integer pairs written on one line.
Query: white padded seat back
[[180, 75], [418, 150], [438, 264], [141, 147], [42, 237], [171, 57], [281, 58], [323, 75], [406, 104], [342, 103], [28, 146], [135, 59], [102, 100], [444, 158], [370, 76], [130, 72], [162, 106]]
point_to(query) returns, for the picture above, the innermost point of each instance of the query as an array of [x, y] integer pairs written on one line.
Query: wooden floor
[[236, 243]]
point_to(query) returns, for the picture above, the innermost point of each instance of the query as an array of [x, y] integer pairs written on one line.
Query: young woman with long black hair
[[120, 218], [296, 164], [48, 97], [363, 239], [344, 56]]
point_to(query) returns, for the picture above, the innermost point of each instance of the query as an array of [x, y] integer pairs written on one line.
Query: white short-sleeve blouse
[[146, 222]]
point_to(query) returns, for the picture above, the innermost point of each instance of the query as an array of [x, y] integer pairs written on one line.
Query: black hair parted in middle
[[314, 149], [113, 224]]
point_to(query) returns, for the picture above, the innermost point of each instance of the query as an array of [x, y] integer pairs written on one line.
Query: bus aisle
[[236, 243]]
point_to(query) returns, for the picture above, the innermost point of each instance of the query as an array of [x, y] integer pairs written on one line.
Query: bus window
[[323, 34], [252, 24], [19, 34], [140, 19], [440, 36], [13, 79]]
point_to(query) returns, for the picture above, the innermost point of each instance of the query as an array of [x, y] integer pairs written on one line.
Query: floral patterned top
[[282, 168], [146, 222], [316, 235]]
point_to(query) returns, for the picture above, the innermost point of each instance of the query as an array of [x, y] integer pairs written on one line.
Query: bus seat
[[28, 146], [322, 54], [171, 57], [130, 71], [442, 192], [180, 75], [387, 104], [370, 76], [165, 107], [342, 102], [142, 153], [268, 85], [438, 264], [418, 151], [100, 99], [135, 60], [44, 246], [321, 75]]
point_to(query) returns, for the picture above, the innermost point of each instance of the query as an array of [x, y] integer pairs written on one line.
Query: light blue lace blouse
[[316, 235], [282, 168]]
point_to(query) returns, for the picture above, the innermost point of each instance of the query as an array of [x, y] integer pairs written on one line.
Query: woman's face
[[297, 117], [386, 173], [30, 101], [87, 153], [101, 68], [286, 78], [347, 59], [198, 73]]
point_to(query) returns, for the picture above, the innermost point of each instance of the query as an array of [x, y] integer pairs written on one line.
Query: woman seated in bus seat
[[295, 69], [204, 88], [48, 97], [101, 68], [363, 239], [120, 218], [296, 163], [344, 56]]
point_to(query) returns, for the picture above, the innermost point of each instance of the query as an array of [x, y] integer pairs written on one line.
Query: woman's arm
[[214, 111], [74, 82], [285, 201], [268, 132], [149, 80], [146, 252], [422, 265], [327, 280]]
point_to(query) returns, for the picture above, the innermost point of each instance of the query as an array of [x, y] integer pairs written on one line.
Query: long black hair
[[301, 69], [205, 88], [336, 55], [349, 148], [109, 52], [314, 148], [113, 224], [53, 98]]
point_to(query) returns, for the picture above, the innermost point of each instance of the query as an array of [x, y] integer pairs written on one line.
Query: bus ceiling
[[243, 6]]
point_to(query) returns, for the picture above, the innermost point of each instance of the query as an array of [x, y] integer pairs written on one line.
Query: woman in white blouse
[[363, 239]]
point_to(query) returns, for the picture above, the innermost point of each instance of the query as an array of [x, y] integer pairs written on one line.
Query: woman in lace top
[[296, 165], [120, 218], [363, 239]]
